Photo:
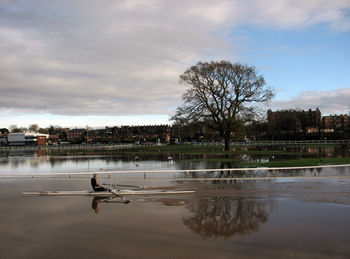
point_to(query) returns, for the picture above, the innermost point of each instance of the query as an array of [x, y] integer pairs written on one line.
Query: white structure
[[24, 139], [16, 139]]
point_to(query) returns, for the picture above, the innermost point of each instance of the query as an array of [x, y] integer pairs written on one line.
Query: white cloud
[[329, 102], [300, 13], [125, 57]]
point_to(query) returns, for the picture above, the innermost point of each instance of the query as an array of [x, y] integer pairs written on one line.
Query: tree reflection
[[225, 216]]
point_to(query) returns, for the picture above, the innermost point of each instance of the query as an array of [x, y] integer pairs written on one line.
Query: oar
[[111, 200], [122, 201], [125, 185]]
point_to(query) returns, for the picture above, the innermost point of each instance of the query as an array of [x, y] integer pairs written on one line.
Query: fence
[[127, 146], [275, 143], [77, 147]]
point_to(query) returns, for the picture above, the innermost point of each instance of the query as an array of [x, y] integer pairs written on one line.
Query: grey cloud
[[329, 102], [123, 57]]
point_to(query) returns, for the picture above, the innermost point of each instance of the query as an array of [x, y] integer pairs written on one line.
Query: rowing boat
[[104, 194]]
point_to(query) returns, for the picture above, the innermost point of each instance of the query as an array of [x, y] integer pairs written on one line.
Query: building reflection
[[223, 217]]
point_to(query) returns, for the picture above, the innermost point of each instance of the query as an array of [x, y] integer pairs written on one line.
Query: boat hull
[[104, 194]]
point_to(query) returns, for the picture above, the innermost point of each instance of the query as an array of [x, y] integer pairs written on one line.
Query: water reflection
[[261, 173], [223, 217], [97, 200], [57, 164], [95, 204]]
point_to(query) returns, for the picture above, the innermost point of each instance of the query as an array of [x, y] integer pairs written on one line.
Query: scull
[[103, 194]]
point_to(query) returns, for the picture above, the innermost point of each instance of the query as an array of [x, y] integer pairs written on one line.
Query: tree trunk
[[227, 143]]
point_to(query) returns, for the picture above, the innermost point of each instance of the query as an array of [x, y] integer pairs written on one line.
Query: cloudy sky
[[98, 63]]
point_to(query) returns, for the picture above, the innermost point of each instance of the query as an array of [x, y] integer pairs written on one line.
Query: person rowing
[[96, 186], [99, 188]]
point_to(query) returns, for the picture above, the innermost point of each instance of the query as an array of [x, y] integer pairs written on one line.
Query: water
[[51, 165], [254, 220], [288, 217]]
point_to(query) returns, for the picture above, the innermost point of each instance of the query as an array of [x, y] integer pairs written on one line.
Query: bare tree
[[222, 95], [33, 127], [13, 128]]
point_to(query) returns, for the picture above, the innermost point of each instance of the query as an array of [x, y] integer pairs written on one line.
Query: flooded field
[[169, 157], [280, 214], [117, 164]]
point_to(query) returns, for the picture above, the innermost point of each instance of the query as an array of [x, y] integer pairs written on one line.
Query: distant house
[[41, 140], [3, 140], [4, 132], [54, 139], [336, 123], [75, 134]]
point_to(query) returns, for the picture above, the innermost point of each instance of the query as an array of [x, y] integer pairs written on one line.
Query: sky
[[110, 63]]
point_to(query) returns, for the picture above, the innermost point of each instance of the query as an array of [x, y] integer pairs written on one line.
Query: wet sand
[[285, 218]]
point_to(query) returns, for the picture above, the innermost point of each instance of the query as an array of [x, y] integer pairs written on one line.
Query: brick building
[[75, 135], [286, 124], [336, 122]]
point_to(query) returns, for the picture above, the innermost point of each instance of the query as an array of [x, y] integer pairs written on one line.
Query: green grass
[[314, 145], [214, 154], [218, 150], [280, 163], [300, 162], [177, 148], [212, 160]]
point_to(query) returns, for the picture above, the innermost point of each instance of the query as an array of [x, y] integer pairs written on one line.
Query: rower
[[95, 185]]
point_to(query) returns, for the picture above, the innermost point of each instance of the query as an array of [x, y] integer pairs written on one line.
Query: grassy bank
[[300, 162], [279, 163]]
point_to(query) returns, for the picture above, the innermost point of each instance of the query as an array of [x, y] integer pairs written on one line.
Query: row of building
[[123, 134], [283, 124], [306, 123]]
